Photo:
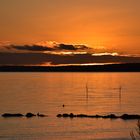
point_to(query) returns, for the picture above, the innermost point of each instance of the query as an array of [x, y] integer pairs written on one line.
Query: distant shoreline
[[128, 67]]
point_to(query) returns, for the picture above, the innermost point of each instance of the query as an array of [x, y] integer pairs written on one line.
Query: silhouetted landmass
[[111, 116], [129, 67]]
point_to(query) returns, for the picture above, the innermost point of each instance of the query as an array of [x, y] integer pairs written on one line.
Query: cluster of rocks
[[111, 116], [28, 115], [71, 115]]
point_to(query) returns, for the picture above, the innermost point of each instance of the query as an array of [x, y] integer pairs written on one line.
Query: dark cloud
[[32, 48], [72, 47], [59, 47], [22, 58], [88, 58], [66, 47], [43, 58], [82, 47]]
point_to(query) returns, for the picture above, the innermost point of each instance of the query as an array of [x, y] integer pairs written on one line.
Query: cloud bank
[[54, 59], [59, 54]]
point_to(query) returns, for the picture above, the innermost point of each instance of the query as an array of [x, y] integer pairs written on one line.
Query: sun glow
[[47, 43], [105, 53], [65, 53]]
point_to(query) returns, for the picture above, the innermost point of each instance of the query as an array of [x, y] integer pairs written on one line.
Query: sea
[[52, 93]]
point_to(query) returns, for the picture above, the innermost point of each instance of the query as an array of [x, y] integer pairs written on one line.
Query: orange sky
[[113, 24]]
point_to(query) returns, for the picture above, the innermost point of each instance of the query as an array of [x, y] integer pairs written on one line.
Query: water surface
[[47, 92]]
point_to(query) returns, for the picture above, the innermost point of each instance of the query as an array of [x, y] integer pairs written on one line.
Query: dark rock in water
[[93, 116], [6, 115], [97, 116], [111, 116], [71, 115], [59, 115], [66, 115], [41, 115], [127, 117], [81, 115], [29, 115]]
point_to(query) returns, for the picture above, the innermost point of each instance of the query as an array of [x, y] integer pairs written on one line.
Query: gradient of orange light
[[93, 22]]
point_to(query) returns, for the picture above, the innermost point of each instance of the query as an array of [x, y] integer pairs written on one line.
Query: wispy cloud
[[32, 48]]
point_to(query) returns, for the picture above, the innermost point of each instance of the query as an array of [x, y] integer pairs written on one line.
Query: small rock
[[65, 115], [29, 115], [12, 115], [41, 115], [59, 115]]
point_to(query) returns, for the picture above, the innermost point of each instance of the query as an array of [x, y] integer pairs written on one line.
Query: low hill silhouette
[[128, 67]]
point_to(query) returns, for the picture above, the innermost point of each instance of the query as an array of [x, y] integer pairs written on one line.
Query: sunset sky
[[106, 25]]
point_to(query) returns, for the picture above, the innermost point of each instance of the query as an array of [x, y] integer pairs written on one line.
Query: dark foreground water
[[47, 92]]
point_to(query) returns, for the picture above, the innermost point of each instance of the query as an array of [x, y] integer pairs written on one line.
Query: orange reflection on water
[[47, 92]]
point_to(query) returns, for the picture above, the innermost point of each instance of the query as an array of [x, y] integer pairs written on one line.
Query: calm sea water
[[47, 92]]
